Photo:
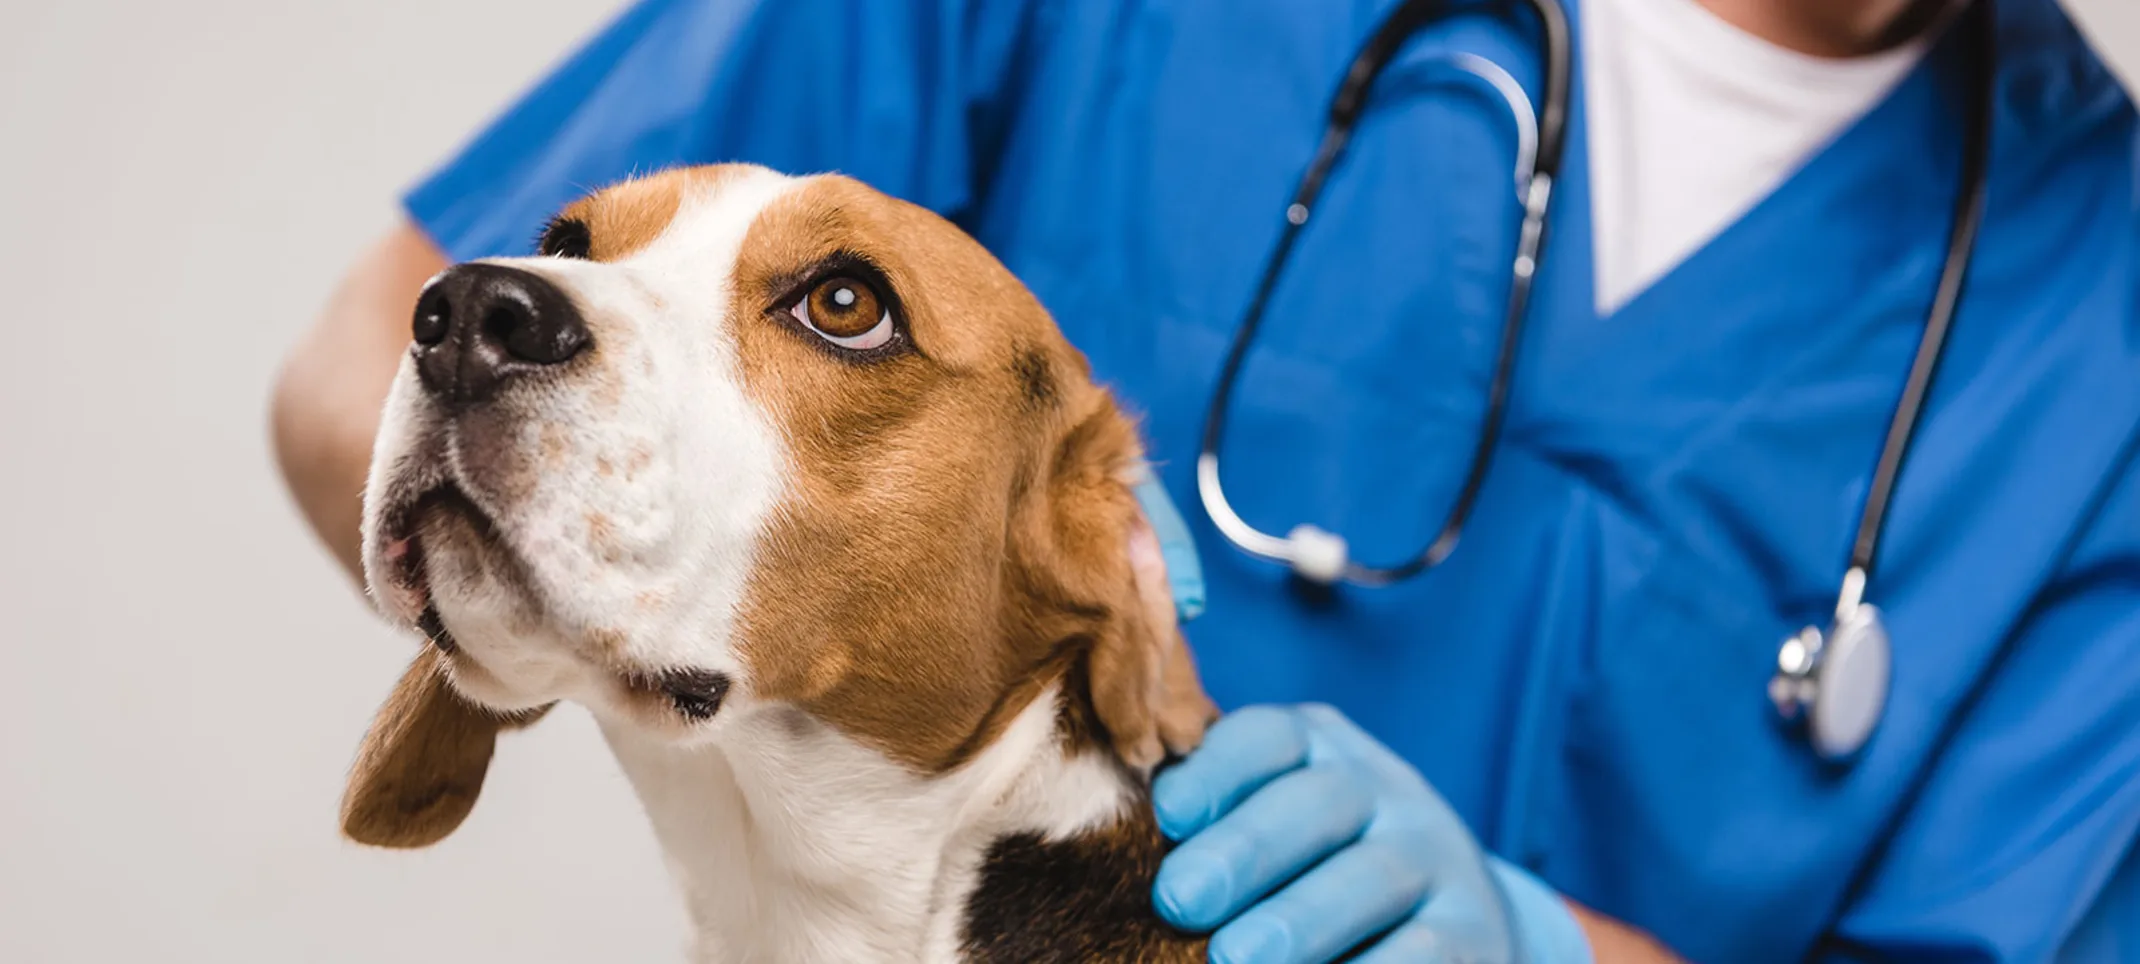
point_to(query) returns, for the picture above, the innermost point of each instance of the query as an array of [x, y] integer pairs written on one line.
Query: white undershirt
[[1693, 121]]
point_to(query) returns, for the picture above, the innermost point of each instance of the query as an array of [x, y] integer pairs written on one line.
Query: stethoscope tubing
[[1981, 56], [1550, 123], [1537, 173], [1980, 66]]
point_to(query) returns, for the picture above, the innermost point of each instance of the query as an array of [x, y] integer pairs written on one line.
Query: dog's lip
[[434, 629], [694, 694], [402, 549]]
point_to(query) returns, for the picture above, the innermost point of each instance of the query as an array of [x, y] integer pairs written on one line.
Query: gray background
[[183, 674]]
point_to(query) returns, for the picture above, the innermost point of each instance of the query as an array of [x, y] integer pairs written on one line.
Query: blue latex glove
[[1279, 793], [1185, 572]]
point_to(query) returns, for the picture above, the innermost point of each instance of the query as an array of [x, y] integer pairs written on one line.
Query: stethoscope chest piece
[[1832, 684], [1836, 683]]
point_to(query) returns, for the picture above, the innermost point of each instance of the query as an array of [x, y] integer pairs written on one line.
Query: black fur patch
[[1086, 899], [1035, 378]]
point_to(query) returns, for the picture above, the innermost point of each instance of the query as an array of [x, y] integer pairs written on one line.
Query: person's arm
[[1302, 838], [327, 400], [1612, 942]]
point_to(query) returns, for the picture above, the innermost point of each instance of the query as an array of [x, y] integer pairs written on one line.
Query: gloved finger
[[1409, 944], [1333, 735], [1467, 909], [1297, 820], [1242, 751], [1337, 905]]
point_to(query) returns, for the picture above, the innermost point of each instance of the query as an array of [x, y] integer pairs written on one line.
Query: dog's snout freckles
[[594, 413]]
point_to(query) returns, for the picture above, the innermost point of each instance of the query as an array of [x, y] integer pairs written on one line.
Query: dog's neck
[[792, 842]]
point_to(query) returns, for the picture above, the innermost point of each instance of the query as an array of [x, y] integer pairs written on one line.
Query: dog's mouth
[[434, 629], [410, 531], [433, 535]]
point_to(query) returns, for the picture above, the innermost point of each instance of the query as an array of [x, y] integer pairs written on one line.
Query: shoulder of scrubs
[[905, 96], [2018, 843]]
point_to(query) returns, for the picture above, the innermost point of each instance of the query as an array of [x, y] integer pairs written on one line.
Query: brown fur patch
[[623, 218], [948, 547]]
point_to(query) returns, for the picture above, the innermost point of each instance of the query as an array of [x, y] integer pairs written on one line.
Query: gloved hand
[[1277, 793]]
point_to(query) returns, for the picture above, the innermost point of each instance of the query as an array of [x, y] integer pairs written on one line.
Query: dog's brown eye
[[847, 312]]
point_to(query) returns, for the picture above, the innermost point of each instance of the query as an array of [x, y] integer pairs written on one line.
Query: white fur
[[636, 542], [790, 841]]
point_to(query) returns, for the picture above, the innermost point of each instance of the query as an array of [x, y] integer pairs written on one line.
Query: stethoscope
[[1831, 681]]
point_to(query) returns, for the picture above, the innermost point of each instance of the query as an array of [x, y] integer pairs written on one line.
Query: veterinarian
[[1777, 363]]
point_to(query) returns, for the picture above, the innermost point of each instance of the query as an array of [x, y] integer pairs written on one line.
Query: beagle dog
[[806, 499]]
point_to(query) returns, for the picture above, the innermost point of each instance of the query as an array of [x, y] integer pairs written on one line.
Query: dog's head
[[739, 441]]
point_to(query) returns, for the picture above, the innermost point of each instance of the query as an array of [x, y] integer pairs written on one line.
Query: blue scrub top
[[1585, 678]]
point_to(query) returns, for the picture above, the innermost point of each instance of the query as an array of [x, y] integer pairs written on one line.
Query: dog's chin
[[436, 559], [425, 535]]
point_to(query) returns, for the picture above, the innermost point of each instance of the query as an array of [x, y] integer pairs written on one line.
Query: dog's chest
[[1080, 899], [795, 853], [792, 843]]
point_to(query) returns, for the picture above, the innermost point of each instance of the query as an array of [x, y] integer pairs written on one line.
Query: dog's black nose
[[479, 325]]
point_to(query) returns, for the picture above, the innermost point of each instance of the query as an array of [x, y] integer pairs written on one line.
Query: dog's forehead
[[670, 209], [758, 234], [784, 217]]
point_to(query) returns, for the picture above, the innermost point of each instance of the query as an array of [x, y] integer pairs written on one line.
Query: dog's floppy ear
[[422, 763], [1166, 711], [1144, 687]]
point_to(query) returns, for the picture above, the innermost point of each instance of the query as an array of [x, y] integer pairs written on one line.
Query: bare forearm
[[1612, 942], [327, 399]]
